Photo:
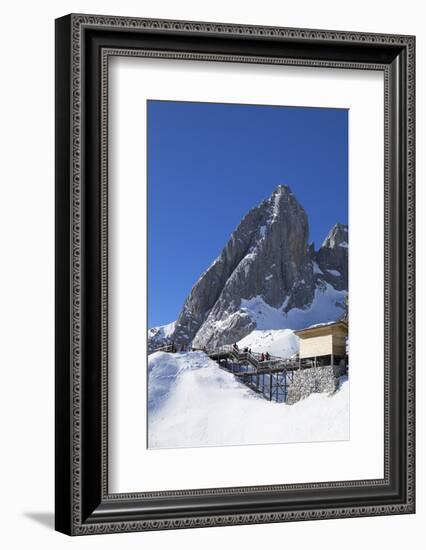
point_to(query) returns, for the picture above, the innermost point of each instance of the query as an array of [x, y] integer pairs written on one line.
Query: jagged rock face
[[263, 257], [267, 256], [332, 257]]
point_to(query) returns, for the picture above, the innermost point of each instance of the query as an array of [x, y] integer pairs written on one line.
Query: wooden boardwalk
[[255, 359], [267, 377]]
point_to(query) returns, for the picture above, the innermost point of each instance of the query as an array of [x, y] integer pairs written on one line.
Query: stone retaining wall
[[314, 380]]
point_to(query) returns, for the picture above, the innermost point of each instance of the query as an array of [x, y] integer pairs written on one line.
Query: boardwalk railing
[[258, 360], [170, 348]]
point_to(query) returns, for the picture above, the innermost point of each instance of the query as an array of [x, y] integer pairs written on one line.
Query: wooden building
[[323, 344]]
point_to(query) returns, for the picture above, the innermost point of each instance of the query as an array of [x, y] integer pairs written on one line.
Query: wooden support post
[[285, 386]]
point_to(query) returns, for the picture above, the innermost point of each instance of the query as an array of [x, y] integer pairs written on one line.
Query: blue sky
[[209, 163]]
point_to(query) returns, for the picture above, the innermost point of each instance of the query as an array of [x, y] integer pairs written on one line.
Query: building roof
[[320, 328]]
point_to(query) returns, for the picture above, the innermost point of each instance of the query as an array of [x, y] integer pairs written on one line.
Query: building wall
[[316, 346], [339, 341]]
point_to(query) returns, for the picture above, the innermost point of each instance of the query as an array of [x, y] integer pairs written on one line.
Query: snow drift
[[192, 402]]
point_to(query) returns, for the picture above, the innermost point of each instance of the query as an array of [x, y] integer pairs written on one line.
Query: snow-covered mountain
[[192, 402], [266, 277], [158, 336]]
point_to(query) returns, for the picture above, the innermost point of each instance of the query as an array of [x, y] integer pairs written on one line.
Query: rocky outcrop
[[332, 257], [267, 260]]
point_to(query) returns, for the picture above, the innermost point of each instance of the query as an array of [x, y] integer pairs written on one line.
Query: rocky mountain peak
[[337, 236], [280, 200], [266, 269]]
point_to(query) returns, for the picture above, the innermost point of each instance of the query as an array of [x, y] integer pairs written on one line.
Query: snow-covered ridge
[[279, 343], [163, 330], [327, 305]]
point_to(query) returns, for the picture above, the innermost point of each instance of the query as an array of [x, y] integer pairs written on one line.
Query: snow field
[[192, 402]]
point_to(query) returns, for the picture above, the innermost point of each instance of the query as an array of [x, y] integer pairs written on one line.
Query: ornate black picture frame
[[83, 45]]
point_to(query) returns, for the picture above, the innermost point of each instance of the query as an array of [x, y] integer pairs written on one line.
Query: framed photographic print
[[234, 274]]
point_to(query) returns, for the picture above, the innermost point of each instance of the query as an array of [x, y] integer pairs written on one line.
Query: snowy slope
[[281, 343], [326, 306], [194, 403]]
